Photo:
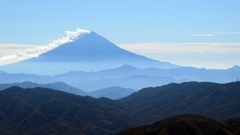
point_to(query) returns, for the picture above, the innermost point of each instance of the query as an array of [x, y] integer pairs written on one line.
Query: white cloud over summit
[[36, 51]]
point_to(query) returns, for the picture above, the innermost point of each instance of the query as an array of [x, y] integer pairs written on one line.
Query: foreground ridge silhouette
[[47, 111]]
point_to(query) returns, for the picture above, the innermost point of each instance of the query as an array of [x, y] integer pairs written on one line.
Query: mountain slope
[[46, 111], [188, 124], [90, 52], [218, 101]]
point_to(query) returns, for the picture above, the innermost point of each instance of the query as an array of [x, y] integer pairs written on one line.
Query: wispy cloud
[[183, 47], [207, 55], [35, 52], [203, 35], [226, 32], [210, 34]]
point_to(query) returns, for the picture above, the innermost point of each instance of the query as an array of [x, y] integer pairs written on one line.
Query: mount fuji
[[90, 52]]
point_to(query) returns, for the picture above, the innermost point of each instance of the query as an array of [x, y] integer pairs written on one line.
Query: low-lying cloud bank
[[183, 47], [201, 55], [35, 52]]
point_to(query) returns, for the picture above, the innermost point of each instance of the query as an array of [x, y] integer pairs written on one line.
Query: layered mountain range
[[111, 92], [91, 86], [91, 62], [127, 76]]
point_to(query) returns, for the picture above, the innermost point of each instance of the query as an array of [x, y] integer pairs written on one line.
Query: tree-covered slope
[[218, 101], [187, 124], [46, 111]]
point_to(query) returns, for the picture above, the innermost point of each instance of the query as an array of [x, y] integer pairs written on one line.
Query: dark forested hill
[[218, 101], [47, 111], [187, 124]]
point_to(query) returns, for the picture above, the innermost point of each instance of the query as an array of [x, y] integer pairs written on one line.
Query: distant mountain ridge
[[125, 75], [90, 52], [18, 78], [111, 92], [148, 77], [56, 86]]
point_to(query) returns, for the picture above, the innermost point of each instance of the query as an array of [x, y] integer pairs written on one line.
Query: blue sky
[[174, 23]]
